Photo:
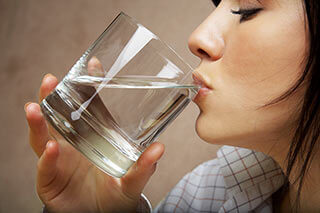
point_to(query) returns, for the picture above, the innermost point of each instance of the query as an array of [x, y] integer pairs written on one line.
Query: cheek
[[226, 122], [263, 58]]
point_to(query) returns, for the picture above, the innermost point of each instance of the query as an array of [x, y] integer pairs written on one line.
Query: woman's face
[[248, 60]]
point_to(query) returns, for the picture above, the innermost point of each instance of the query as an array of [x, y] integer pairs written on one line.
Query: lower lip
[[204, 91]]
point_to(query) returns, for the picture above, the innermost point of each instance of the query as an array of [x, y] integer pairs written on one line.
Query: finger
[[139, 174], [95, 67], [38, 131], [49, 82], [47, 166]]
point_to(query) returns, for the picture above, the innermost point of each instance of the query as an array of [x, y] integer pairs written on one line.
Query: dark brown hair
[[305, 142], [306, 138]]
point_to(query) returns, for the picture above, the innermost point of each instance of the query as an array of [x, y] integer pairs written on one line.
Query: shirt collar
[[248, 175]]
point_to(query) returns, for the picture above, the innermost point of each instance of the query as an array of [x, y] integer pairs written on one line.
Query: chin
[[216, 132], [206, 131]]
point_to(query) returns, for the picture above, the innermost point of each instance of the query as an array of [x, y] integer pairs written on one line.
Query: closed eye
[[246, 14]]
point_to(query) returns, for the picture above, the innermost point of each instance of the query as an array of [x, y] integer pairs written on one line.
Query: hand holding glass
[[119, 96]]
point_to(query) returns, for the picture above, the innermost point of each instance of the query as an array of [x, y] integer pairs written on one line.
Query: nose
[[207, 41]]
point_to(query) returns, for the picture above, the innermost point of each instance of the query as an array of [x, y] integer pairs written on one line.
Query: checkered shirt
[[239, 180]]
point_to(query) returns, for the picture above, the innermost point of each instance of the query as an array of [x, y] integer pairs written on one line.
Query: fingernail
[[26, 105], [46, 77], [49, 144], [94, 59]]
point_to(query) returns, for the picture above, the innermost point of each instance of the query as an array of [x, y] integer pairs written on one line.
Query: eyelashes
[[246, 14]]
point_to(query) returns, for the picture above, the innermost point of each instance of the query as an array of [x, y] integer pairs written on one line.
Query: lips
[[199, 80], [204, 86]]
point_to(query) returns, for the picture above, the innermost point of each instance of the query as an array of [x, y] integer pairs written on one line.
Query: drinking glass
[[119, 96]]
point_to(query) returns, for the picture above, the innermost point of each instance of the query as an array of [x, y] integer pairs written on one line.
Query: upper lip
[[198, 79]]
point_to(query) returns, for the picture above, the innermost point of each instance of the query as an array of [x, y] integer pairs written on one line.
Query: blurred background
[[39, 37]]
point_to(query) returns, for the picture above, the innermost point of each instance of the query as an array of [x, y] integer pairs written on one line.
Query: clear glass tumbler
[[119, 96]]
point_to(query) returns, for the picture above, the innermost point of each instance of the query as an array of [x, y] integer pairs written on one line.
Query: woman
[[260, 92]]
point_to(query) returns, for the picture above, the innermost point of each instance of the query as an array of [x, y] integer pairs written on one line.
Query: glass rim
[[134, 22]]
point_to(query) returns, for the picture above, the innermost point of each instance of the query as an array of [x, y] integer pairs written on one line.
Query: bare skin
[[66, 185], [246, 62]]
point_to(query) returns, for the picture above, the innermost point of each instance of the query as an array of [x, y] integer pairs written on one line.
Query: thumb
[[47, 169], [139, 174]]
